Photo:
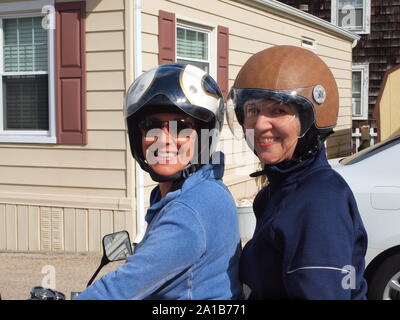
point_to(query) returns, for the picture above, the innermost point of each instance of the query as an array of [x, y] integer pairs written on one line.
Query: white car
[[373, 174]]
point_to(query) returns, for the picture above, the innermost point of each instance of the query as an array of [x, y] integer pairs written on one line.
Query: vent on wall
[[308, 42], [51, 229]]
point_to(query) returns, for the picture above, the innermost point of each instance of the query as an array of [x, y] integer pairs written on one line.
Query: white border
[[366, 17], [211, 30], [13, 6], [20, 9], [364, 68]]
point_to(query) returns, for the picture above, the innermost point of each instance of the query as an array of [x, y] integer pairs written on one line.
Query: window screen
[[192, 47], [351, 14], [25, 80]]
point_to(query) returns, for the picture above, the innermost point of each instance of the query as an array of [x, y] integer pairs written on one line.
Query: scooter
[[116, 246]]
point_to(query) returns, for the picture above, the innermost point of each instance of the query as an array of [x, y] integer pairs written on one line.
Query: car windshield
[[370, 151]]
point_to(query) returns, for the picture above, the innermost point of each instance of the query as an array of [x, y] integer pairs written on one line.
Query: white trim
[[72, 201], [210, 31], [24, 133], [1, 72], [139, 173], [28, 73], [284, 10], [213, 38], [318, 267], [34, 136], [52, 84], [366, 17], [364, 69], [25, 6], [27, 139]]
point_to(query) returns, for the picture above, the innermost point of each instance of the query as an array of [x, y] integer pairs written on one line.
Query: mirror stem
[[103, 262]]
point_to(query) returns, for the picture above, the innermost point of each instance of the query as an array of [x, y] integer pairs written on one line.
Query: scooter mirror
[[117, 246]]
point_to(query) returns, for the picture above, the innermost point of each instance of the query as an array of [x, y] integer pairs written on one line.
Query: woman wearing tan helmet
[[309, 241]]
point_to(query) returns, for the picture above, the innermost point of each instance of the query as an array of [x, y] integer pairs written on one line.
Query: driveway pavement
[[19, 272]]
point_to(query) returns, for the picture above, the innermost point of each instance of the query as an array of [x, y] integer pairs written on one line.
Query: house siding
[[257, 31], [65, 197], [387, 111], [380, 48]]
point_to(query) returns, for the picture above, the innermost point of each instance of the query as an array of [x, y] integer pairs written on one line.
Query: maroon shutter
[[71, 73], [166, 37], [222, 59]]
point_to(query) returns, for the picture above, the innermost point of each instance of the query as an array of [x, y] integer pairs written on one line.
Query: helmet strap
[[307, 146], [183, 174]]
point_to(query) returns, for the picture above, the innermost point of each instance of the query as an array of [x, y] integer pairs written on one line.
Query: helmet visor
[[283, 106], [196, 93]]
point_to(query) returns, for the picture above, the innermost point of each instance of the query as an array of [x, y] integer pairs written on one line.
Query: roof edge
[[292, 13]]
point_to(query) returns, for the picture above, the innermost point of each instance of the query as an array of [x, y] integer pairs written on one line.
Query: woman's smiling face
[[276, 129], [168, 141]]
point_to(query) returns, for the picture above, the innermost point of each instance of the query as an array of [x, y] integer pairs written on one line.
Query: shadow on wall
[[396, 133], [92, 5], [339, 144]]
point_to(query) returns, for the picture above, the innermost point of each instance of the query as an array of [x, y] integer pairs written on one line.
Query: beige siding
[[105, 153], [54, 197], [105, 41], [105, 21], [65, 198], [34, 228], [99, 61], [389, 106], [252, 30]]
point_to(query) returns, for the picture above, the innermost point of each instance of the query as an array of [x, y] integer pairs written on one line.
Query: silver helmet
[[174, 88]]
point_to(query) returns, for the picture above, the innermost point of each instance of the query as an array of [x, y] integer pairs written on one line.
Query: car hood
[[335, 162]]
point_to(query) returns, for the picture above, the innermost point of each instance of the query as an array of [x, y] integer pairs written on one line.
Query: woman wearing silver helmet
[[191, 247], [309, 241]]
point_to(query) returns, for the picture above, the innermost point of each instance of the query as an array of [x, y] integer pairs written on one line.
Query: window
[[26, 97], [193, 46], [353, 15], [360, 79]]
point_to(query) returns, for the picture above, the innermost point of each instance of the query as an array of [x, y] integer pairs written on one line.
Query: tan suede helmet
[[290, 75]]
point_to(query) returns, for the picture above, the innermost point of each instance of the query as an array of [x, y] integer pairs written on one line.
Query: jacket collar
[[277, 174], [211, 171]]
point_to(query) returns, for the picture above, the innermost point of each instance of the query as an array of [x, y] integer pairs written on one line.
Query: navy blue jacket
[[309, 241]]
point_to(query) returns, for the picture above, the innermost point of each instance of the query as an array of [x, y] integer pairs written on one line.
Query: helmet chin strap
[[306, 147], [183, 174]]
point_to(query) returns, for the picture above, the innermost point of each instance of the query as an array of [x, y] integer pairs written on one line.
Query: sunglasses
[[179, 124]]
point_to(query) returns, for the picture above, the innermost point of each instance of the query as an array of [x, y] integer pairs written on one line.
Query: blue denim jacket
[[190, 250]]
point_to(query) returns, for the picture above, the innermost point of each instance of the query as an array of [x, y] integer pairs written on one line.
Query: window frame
[[30, 136], [366, 29], [364, 69], [212, 42]]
